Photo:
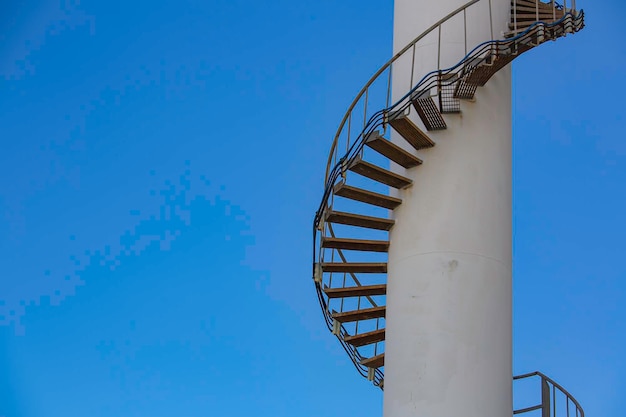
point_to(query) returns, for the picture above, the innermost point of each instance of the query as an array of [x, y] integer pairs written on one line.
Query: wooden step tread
[[410, 132], [355, 244], [361, 291], [366, 338], [392, 151], [359, 220], [375, 361], [379, 174], [365, 196], [362, 314], [356, 267]]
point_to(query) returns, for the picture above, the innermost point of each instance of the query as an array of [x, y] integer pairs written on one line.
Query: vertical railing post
[[545, 398], [465, 29], [439, 49], [349, 129], [553, 10], [367, 91], [412, 68], [537, 10], [491, 21], [515, 16]]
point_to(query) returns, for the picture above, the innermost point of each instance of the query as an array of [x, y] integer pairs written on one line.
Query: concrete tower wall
[[448, 337]]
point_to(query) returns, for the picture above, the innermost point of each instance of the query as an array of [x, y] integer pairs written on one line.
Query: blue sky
[[161, 165]]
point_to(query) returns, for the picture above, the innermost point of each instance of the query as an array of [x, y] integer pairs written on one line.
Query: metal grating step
[[448, 103], [427, 111], [463, 90]]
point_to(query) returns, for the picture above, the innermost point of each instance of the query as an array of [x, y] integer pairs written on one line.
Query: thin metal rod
[[537, 10], [491, 20], [384, 67], [465, 28], [388, 88], [365, 108], [515, 16], [349, 130], [439, 50], [412, 68]]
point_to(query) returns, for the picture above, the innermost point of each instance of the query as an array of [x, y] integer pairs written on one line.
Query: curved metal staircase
[[352, 223]]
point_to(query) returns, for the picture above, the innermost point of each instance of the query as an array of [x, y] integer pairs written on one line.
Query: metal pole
[[545, 398]]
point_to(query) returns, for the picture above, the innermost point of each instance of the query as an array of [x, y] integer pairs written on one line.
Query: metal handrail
[[549, 396], [570, 22], [381, 70]]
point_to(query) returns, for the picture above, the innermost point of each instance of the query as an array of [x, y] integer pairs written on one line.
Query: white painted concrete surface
[[449, 331]]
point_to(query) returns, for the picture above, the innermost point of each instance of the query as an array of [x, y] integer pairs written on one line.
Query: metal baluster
[[367, 91], [439, 50], [387, 102], [537, 10], [412, 67], [491, 19], [358, 307], [349, 129], [553, 10], [567, 405], [515, 16], [553, 401], [343, 286], [465, 28]]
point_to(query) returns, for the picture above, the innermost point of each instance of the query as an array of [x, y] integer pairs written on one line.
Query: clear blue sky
[[161, 163]]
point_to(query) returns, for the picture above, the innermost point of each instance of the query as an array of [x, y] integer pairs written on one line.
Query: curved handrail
[[544, 378], [570, 22], [381, 70]]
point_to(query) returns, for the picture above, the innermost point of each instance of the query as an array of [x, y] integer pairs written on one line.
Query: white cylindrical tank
[[448, 347]]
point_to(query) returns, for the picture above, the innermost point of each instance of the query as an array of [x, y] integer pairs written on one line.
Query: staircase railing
[[555, 400], [353, 144]]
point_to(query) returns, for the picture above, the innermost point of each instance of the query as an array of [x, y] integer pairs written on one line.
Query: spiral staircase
[[352, 223]]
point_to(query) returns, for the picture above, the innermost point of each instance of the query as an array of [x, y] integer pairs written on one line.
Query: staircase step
[[379, 174], [375, 361], [410, 132], [357, 315], [391, 151], [355, 267], [352, 219], [365, 196], [365, 338], [362, 291], [448, 103], [483, 73], [429, 113], [463, 90], [356, 244]]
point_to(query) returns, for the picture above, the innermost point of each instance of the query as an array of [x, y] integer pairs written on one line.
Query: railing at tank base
[[555, 400]]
